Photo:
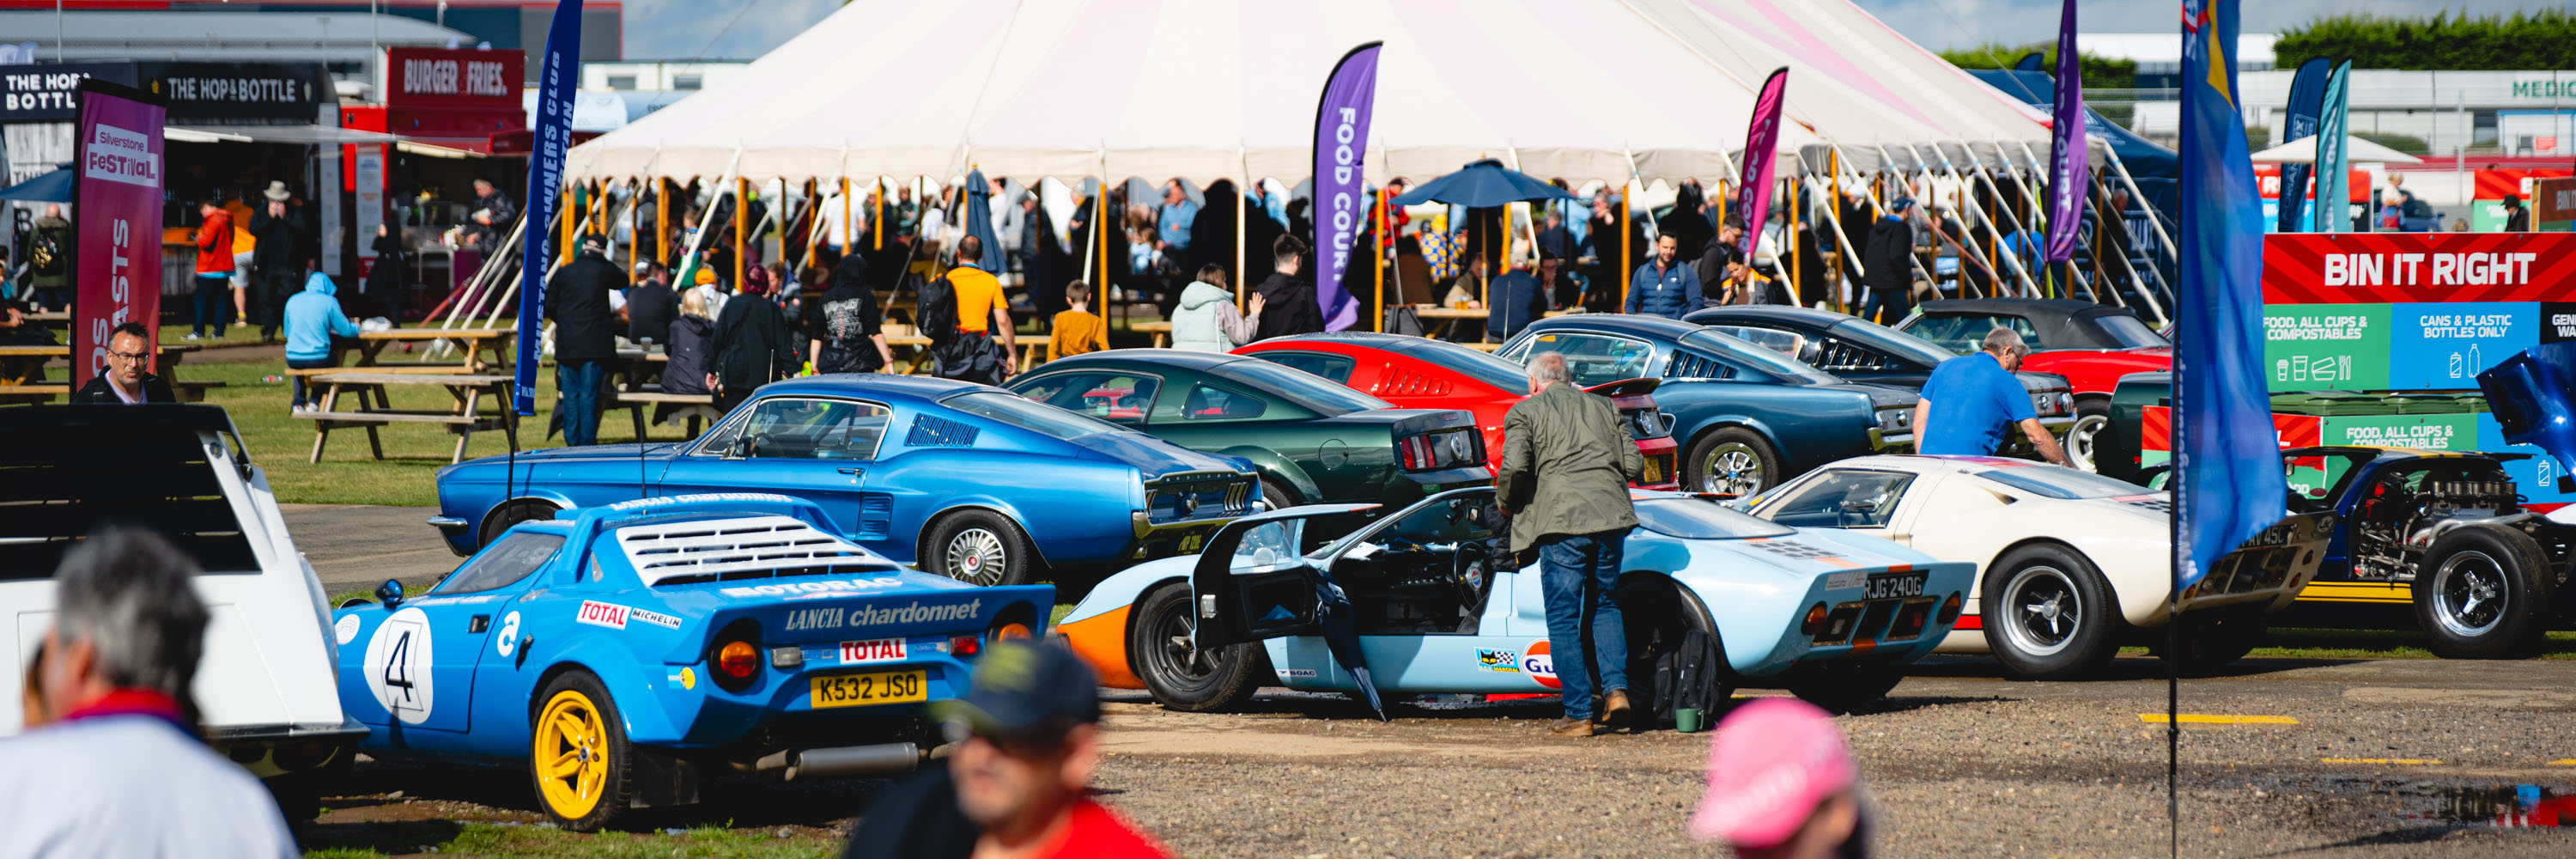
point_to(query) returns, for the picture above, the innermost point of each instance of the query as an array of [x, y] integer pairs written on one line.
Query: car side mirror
[[739, 448], [390, 593]]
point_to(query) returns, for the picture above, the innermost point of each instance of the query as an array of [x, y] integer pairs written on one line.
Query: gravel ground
[[1957, 762]]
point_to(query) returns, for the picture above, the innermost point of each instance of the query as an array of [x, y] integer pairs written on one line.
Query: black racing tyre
[[2210, 640], [2482, 592], [1731, 461], [1276, 495], [2048, 613], [1181, 676], [1842, 688], [298, 795], [578, 755], [2092, 418], [513, 513], [979, 547]]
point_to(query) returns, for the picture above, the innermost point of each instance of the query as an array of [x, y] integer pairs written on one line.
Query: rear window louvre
[[930, 431], [756, 547]]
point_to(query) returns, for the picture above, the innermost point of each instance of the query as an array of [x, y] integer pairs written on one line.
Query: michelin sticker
[[346, 628], [508, 639], [397, 667], [661, 620]]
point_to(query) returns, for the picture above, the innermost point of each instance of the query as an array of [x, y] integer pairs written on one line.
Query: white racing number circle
[[397, 668], [346, 629]]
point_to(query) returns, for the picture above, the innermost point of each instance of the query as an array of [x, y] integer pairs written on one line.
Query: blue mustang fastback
[[971, 482], [1747, 417]]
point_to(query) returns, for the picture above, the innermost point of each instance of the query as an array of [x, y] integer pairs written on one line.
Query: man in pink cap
[[1781, 785]]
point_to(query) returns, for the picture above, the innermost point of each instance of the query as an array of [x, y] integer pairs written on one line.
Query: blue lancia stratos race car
[[1833, 616], [626, 652], [971, 482]]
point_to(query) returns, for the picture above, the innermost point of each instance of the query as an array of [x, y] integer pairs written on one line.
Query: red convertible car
[[2092, 345], [1422, 373]]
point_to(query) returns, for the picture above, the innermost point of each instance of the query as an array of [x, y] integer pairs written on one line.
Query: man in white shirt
[[117, 769]]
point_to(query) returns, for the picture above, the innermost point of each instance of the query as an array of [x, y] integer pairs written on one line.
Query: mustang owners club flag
[[553, 135], [2227, 476], [1341, 187]]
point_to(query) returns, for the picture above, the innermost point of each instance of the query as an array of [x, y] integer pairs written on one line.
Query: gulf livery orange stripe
[[1102, 641]]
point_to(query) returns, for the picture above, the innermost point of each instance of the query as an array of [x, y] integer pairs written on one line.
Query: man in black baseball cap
[[1017, 784]]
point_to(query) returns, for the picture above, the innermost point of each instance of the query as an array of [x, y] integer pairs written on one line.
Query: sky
[[745, 29]]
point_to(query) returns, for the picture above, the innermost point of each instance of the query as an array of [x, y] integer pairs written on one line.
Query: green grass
[[357, 841], [2300, 643]]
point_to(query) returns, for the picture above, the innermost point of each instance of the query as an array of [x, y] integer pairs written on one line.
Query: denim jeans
[[214, 301], [1579, 577], [1898, 304], [577, 384], [332, 360]]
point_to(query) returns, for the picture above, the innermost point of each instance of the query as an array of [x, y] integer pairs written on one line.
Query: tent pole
[[741, 225], [1833, 212], [847, 238], [1789, 239], [1377, 253], [661, 221], [876, 222], [1239, 215]]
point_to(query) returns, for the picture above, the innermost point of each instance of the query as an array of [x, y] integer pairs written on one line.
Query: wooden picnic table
[[1162, 331], [1032, 346], [1438, 320], [471, 393], [472, 341], [166, 366], [634, 378]]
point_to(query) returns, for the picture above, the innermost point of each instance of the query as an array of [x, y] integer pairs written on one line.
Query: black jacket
[[577, 301], [1288, 307], [751, 348], [686, 372], [154, 391], [279, 240], [384, 286], [649, 308], [845, 319], [1889, 256]]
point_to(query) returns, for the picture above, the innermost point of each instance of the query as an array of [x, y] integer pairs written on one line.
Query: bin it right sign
[[2410, 311]]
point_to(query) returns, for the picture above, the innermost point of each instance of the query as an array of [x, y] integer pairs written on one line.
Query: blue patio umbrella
[[1483, 185], [54, 187], [979, 220]]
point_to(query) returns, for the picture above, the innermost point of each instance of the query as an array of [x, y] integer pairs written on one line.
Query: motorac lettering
[[835, 618], [787, 588], [2476, 268]]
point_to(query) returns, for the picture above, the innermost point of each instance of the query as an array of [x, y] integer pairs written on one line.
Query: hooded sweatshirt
[[312, 317], [1288, 307], [1207, 321]]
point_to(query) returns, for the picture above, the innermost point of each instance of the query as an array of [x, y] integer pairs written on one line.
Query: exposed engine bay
[[2402, 514]]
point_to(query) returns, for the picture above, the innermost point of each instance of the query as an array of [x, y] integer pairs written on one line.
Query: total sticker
[[346, 628], [602, 614], [507, 639], [397, 666], [1538, 665], [873, 650]]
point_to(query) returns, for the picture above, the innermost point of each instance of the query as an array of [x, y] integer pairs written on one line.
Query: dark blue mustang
[[964, 480], [1747, 417]]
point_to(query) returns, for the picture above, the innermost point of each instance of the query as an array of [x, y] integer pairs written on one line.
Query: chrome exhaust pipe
[[841, 761]]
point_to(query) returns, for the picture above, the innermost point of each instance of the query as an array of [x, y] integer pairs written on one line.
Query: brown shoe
[[1614, 707], [1570, 728]]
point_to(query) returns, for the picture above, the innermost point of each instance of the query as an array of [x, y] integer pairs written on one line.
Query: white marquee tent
[[1208, 89]]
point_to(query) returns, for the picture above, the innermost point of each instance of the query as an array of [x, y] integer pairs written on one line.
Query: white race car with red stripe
[[2077, 564]]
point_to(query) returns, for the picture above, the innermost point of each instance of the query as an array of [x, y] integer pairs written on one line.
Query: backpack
[[1693, 676], [45, 256], [937, 304]]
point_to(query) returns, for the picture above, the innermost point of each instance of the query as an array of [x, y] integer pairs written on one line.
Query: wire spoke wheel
[[571, 754], [2470, 594], [976, 556], [2043, 610]]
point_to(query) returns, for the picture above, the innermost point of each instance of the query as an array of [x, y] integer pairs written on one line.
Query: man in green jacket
[[1564, 482]]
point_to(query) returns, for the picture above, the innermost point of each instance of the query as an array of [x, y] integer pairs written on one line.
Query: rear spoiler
[[1626, 388]]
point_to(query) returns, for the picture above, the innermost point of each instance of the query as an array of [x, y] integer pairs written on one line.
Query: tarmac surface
[[2279, 757]]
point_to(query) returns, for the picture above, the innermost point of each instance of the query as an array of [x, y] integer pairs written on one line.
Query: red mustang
[[1419, 372]]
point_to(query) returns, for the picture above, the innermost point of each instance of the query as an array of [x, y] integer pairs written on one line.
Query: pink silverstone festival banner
[[117, 220]]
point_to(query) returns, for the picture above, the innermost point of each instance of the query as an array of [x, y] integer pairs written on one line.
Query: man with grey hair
[[1567, 463], [1970, 402], [117, 769]]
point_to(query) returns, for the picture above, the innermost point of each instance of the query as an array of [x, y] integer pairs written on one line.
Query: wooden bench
[[192, 392], [447, 369], [467, 418], [700, 407], [37, 393]]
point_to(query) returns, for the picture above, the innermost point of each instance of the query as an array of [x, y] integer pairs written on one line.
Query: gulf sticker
[[602, 614], [1536, 664]]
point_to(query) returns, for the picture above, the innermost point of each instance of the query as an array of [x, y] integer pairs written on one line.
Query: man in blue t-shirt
[[1972, 400]]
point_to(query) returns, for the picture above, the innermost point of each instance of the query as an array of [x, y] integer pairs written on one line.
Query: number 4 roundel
[[397, 669]]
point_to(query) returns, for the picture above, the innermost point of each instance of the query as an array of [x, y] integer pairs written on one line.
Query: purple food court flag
[[553, 134], [2070, 161], [2227, 476], [1761, 139], [1341, 187]]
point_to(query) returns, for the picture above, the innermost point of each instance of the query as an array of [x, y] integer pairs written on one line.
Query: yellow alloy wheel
[[570, 755]]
